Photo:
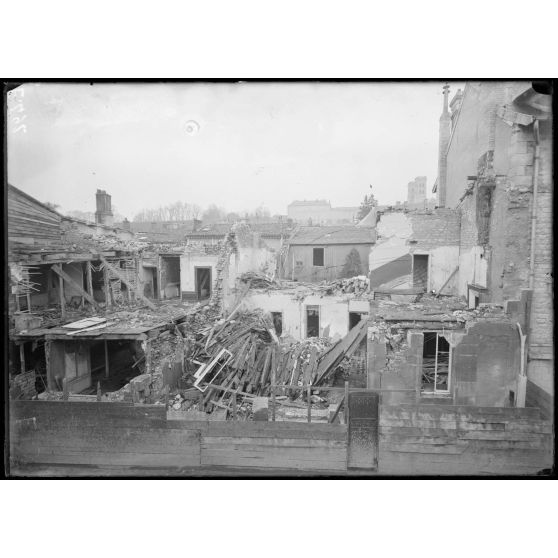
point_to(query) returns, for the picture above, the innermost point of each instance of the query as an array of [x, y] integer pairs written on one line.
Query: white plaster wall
[[334, 311], [188, 263], [473, 268], [394, 229], [443, 261]]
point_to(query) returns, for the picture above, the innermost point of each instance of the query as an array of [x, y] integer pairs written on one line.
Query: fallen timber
[[260, 359]]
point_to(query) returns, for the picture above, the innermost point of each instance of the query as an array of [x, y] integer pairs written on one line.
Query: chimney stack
[[103, 215], [445, 133]]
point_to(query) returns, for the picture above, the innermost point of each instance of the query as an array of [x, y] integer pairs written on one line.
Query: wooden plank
[[63, 275], [62, 299], [89, 278], [261, 443]]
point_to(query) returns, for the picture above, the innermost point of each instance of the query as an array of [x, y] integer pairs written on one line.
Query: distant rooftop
[[333, 235], [310, 202]]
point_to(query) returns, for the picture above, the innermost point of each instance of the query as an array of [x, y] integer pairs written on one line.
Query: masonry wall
[[334, 311], [462, 440], [540, 367], [188, 263], [436, 233], [485, 362], [477, 131], [473, 265], [485, 365]]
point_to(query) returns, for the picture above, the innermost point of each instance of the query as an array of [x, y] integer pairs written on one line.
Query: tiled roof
[[334, 235]]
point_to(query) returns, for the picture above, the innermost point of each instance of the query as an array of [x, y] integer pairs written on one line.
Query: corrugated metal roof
[[334, 235]]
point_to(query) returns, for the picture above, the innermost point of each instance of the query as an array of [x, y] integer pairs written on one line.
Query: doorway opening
[[170, 276], [312, 321], [203, 282], [435, 363], [420, 271], [277, 318]]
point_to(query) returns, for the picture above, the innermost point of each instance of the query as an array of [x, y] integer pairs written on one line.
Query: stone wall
[[485, 363], [461, 440]]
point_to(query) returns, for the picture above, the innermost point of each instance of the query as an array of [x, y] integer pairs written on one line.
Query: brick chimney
[[103, 215], [445, 133]]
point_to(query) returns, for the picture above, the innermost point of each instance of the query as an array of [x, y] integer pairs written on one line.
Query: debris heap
[[246, 357]]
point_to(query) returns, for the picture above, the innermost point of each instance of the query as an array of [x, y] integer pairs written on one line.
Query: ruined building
[[416, 193]]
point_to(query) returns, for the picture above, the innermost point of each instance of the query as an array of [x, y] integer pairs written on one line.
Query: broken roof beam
[[63, 275], [115, 271]]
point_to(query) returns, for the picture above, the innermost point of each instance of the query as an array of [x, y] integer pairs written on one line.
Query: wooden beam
[[22, 357], [411, 291], [108, 300], [89, 278], [346, 399], [106, 360], [309, 401], [63, 275], [124, 280], [62, 299], [332, 419]]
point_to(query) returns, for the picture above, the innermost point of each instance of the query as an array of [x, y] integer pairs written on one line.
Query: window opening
[[354, 319], [318, 257], [312, 321], [277, 318], [435, 363]]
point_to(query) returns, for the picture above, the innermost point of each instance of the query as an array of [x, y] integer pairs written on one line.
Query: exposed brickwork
[[468, 233], [436, 228]]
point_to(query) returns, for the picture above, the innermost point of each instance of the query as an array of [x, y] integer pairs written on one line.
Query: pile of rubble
[[242, 354], [258, 280], [358, 285]]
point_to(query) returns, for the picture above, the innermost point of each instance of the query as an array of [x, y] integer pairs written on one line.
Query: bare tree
[[177, 211], [214, 214]]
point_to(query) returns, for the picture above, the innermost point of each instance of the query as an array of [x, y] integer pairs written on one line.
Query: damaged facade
[[439, 321]]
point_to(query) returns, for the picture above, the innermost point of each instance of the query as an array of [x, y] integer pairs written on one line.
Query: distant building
[[320, 212], [320, 253], [416, 193]]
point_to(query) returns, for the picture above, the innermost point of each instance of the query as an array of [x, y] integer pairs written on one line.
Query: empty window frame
[[209, 372], [435, 363], [277, 318], [312, 321], [318, 257]]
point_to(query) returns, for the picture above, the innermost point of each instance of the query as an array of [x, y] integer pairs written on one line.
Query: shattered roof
[[334, 235]]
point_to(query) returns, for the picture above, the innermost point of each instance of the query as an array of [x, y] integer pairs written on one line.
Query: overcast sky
[[257, 143]]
